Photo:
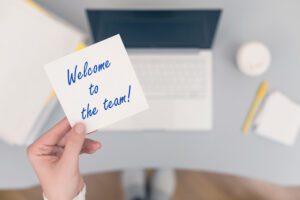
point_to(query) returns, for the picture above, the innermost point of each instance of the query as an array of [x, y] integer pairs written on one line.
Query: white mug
[[253, 58]]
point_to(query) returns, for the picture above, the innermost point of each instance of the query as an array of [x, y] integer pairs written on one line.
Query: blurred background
[[221, 78]]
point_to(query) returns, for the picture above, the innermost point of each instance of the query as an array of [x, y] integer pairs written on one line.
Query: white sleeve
[[80, 196]]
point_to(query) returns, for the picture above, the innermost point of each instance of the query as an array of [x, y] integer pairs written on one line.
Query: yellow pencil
[[259, 96]]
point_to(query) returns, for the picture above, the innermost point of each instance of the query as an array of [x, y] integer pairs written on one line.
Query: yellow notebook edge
[[80, 45]]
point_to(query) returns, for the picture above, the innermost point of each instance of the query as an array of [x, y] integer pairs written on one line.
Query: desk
[[224, 149]]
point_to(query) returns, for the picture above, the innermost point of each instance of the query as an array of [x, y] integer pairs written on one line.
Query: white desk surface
[[224, 149]]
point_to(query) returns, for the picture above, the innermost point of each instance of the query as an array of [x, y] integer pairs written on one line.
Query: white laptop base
[[178, 86]]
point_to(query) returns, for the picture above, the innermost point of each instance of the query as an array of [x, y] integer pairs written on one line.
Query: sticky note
[[97, 85]]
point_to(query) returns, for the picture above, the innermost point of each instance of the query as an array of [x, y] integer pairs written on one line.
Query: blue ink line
[[87, 71], [108, 104], [129, 92]]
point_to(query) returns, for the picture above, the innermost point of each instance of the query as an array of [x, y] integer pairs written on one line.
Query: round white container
[[253, 58]]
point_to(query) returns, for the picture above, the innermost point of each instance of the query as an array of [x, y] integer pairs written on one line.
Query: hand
[[55, 159]]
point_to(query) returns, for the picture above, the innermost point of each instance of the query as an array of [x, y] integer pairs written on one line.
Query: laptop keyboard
[[167, 77]]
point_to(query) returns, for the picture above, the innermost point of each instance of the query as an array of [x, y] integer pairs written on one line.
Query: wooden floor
[[191, 185]]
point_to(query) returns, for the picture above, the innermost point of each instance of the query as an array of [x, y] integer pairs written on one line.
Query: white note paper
[[97, 85]]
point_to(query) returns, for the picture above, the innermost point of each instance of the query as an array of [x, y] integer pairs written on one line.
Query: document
[[29, 40]]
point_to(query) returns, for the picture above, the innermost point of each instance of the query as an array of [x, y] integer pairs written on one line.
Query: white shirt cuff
[[80, 196]]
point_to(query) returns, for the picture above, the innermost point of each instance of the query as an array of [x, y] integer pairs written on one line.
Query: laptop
[[170, 51]]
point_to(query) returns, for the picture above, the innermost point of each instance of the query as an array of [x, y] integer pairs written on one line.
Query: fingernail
[[98, 145], [80, 129]]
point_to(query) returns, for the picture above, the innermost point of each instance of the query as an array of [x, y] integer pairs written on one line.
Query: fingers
[[53, 136], [63, 141], [74, 144], [50, 138], [90, 146]]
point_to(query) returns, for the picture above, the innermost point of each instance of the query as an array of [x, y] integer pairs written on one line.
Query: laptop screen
[[156, 28]]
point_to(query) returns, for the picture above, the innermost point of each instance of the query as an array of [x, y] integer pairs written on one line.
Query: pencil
[[259, 96]]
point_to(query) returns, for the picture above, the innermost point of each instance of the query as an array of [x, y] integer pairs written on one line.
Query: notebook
[[29, 39], [279, 119]]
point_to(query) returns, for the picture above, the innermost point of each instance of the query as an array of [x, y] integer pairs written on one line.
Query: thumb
[[75, 140]]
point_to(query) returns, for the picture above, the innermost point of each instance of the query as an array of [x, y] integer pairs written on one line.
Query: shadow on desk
[[191, 185]]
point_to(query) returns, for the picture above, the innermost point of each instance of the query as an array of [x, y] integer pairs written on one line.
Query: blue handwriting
[[87, 112], [87, 71], [117, 101]]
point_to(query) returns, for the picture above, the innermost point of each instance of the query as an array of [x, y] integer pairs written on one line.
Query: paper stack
[[279, 119], [29, 39]]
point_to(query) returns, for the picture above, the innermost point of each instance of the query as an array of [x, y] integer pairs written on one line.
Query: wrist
[[79, 196]]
